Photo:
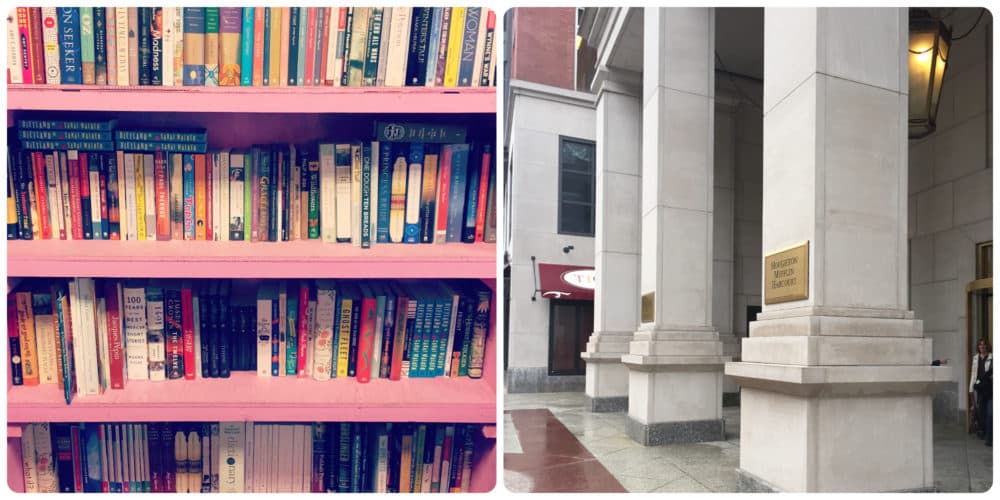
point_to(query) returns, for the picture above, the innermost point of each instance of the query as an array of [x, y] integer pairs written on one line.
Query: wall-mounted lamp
[[567, 248], [930, 48]]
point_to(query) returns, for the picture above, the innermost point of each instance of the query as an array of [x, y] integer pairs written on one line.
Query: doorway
[[570, 324], [978, 312]]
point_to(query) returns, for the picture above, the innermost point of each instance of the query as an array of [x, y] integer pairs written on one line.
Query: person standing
[[981, 382]]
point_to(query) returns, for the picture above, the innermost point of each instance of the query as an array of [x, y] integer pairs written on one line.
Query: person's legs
[[988, 423]]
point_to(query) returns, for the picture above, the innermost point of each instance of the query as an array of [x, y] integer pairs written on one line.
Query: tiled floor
[[962, 463]]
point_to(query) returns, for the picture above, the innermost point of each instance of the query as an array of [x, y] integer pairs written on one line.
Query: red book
[[399, 339], [24, 44], [76, 212], [14, 341], [366, 339], [41, 193], [37, 47], [105, 224], [116, 345], [258, 47], [105, 443], [84, 174], [77, 458], [310, 43], [443, 193], [303, 344], [484, 185], [209, 179], [187, 322], [325, 41], [162, 196]]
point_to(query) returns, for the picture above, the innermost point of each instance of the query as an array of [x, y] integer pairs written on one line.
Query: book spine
[[166, 22], [470, 35], [293, 46], [456, 32], [374, 44], [156, 62], [433, 42], [26, 333], [366, 340], [14, 62], [310, 53], [247, 47], [174, 335], [484, 182], [121, 45], [133, 46], [187, 328], [366, 196], [157, 136], [324, 202], [259, 31], [335, 57], [211, 46], [86, 195], [304, 320], [348, 40], [230, 28], [274, 46], [411, 230], [236, 180], [355, 333], [41, 194], [443, 195], [145, 41], [14, 342], [45, 337], [399, 337], [188, 181], [116, 346], [161, 197], [263, 336], [194, 46], [135, 334], [87, 45], [50, 39], [37, 47], [427, 196], [70, 69], [323, 54], [487, 61], [416, 64], [211, 185], [200, 197], [178, 50]]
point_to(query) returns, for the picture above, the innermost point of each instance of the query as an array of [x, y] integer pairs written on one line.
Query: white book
[[373, 203], [267, 458], [230, 464], [47, 480], [196, 318], [397, 202], [216, 194], [383, 49], [258, 458], [149, 185], [130, 201], [64, 193], [236, 176], [14, 50], [88, 341], [273, 457], [326, 300], [399, 40], [264, 305], [282, 327], [307, 454], [335, 55], [343, 160], [285, 458], [136, 349], [50, 39], [328, 194], [311, 338], [167, 47], [276, 172], [248, 454], [45, 339], [381, 462], [155, 332], [103, 349], [178, 61], [95, 201], [52, 189], [377, 341], [222, 221], [414, 174], [210, 458], [356, 160], [477, 63], [493, 58], [29, 462], [451, 332], [121, 44]]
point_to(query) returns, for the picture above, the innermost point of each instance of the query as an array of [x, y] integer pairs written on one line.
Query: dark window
[[576, 186], [570, 324]]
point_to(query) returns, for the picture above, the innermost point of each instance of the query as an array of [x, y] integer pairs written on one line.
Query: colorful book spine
[[87, 45], [71, 69], [411, 229], [416, 64], [194, 46], [374, 44], [470, 36], [147, 146], [144, 37], [50, 39], [156, 62], [247, 47], [486, 72], [456, 201], [189, 200], [427, 195], [211, 46]]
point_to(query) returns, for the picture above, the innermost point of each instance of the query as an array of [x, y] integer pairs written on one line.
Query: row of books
[[157, 187], [247, 457], [263, 46], [95, 335]]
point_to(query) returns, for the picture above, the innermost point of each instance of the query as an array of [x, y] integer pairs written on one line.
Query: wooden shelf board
[[241, 259], [246, 396], [252, 99]]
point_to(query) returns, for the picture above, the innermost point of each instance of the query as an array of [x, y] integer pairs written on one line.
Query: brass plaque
[[786, 275], [647, 307]]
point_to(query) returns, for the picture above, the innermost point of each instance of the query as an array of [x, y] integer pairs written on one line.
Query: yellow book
[[140, 199], [274, 71], [26, 331], [344, 342], [454, 59]]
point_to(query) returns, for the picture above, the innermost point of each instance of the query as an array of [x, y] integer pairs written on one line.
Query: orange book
[[209, 198], [404, 463], [310, 44], [286, 30], [200, 188], [258, 47], [26, 331], [325, 41], [162, 196], [484, 183]]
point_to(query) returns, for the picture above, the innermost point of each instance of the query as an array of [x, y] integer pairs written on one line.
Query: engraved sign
[[647, 307], [786, 275]]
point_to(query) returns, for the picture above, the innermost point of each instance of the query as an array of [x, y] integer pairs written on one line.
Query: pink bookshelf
[[257, 99], [237, 117], [241, 259]]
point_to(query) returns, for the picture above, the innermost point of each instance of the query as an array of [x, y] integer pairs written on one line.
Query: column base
[[606, 404], [606, 380], [749, 483], [694, 431]]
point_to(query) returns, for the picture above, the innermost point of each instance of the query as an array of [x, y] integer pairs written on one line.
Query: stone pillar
[[616, 238], [675, 360], [836, 386]]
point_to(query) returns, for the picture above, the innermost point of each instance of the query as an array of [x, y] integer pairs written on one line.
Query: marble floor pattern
[[961, 462]]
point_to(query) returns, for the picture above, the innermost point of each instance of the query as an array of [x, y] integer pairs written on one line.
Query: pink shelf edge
[[260, 99]]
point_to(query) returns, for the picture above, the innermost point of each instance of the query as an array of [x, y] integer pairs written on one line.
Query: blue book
[[470, 37], [335, 339], [67, 145], [366, 195], [275, 341], [246, 48], [293, 45], [61, 125], [433, 43], [187, 176], [63, 135], [456, 195], [91, 455], [267, 44], [70, 57], [414, 175], [384, 191], [472, 202], [317, 78], [417, 342], [194, 25], [166, 147], [199, 135], [300, 69]]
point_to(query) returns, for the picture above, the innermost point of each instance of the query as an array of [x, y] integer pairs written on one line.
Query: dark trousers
[[988, 421], [984, 414]]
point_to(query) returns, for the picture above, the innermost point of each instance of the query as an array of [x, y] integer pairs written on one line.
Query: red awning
[[566, 282]]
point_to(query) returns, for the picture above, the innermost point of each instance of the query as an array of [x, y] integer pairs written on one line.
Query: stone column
[[675, 360], [836, 386], [616, 238]]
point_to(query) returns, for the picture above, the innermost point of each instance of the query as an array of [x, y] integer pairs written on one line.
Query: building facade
[[765, 234]]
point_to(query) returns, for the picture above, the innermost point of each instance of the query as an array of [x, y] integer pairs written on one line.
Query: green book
[[291, 337], [314, 200], [87, 45], [212, 46], [249, 170], [300, 68]]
